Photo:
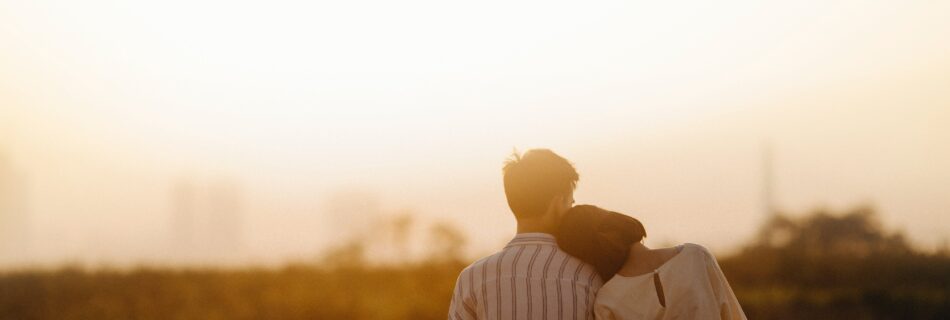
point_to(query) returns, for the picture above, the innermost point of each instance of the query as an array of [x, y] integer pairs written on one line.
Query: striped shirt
[[531, 278]]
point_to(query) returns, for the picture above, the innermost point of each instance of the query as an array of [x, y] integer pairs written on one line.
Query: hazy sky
[[664, 108]]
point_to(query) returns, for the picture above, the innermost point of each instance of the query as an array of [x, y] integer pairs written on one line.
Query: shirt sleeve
[[587, 293], [603, 313], [728, 304], [462, 306]]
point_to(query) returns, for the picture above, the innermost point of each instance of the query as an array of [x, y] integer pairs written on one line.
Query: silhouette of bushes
[[828, 265], [822, 266]]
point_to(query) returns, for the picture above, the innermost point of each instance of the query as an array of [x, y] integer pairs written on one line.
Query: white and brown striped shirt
[[531, 278]]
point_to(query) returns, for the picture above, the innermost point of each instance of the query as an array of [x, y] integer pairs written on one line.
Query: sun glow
[[420, 101]]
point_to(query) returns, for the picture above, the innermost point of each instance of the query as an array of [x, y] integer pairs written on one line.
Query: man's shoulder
[[547, 264], [481, 262], [477, 263]]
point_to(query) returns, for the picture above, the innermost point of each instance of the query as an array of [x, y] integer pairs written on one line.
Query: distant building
[[223, 228], [183, 219], [14, 214], [207, 221]]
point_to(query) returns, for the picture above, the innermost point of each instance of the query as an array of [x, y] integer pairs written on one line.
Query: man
[[531, 278]]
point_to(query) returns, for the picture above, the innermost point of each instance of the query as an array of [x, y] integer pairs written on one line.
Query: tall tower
[[14, 214], [768, 181], [224, 219], [184, 202]]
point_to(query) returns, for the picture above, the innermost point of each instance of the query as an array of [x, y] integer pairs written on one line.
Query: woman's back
[[642, 260], [674, 283], [688, 284]]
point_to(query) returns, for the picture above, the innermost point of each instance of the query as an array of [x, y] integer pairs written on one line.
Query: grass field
[[831, 267]]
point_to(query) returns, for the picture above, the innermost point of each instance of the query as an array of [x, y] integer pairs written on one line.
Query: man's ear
[[553, 204], [556, 201]]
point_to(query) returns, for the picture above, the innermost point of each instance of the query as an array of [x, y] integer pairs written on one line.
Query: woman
[[682, 282]]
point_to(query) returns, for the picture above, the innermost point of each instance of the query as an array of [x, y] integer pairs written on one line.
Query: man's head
[[539, 185]]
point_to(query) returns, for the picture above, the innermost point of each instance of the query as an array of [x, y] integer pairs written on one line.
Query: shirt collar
[[532, 238]]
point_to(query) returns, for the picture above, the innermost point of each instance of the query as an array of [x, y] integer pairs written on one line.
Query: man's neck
[[535, 226]]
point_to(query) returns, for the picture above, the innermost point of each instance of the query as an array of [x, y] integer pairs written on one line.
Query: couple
[[584, 262]]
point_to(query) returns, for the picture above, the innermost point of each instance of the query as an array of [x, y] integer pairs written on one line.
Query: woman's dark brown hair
[[599, 237]]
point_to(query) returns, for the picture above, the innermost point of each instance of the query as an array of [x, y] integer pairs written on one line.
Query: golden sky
[[664, 108]]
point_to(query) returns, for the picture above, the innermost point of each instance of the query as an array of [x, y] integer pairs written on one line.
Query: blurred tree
[[351, 254], [823, 265], [401, 227], [447, 243], [827, 263]]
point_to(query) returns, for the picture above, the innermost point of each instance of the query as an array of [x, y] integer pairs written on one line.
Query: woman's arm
[[729, 307]]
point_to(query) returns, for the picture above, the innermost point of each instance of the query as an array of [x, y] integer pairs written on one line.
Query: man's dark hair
[[534, 179], [599, 237]]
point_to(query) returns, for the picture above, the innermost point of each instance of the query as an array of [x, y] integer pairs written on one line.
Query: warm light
[[663, 107]]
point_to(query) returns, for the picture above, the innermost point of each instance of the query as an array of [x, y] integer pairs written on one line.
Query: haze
[[322, 118]]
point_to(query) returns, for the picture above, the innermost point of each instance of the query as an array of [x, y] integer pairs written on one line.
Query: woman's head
[[599, 237]]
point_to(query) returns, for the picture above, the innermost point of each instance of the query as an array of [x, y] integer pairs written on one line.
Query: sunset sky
[[665, 108]]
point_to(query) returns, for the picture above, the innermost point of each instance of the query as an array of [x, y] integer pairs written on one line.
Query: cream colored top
[[693, 286]]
